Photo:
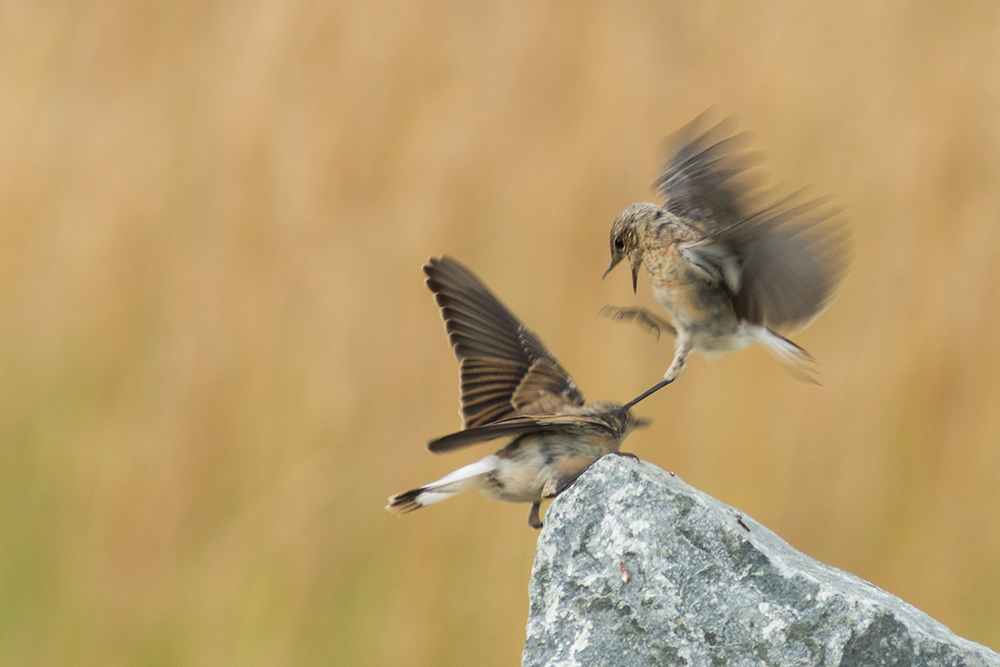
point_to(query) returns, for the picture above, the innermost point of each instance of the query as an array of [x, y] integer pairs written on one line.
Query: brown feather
[[498, 355]]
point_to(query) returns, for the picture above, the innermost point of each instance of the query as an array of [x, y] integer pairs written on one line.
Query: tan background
[[218, 358]]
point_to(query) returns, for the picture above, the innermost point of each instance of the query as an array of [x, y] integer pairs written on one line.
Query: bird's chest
[[695, 304]]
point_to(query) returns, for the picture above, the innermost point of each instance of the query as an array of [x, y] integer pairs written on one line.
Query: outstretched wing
[[505, 369], [524, 424], [781, 265], [703, 179]]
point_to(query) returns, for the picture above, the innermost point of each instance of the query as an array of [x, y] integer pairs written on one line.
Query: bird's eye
[[619, 243]]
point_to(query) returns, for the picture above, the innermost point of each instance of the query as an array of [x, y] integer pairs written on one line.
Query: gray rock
[[635, 567]]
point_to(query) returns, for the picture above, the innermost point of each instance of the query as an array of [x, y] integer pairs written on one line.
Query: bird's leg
[[682, 349], [564, 483], [533, 519], [627, 455], [553, 489]]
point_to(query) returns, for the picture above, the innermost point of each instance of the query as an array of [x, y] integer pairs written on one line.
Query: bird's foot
[[534, 521], [684, 348], [641, 316]]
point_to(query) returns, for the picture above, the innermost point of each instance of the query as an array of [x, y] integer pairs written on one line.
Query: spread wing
[[505, 370], [781, 265], [524, 424], [703, 179]]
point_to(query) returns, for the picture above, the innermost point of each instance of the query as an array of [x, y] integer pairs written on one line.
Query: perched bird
[[511, 386], [729, 269]]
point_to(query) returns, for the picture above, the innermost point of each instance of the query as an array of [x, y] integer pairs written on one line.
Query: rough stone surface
[[635, 567]]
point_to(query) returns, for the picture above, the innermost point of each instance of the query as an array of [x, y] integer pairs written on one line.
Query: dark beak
[[613, 264], [635, 276]]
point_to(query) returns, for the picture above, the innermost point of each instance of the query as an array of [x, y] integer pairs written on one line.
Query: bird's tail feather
[[467, 477], [796, 360]]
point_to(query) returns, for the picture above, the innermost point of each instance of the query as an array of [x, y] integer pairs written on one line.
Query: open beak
[[635, 272]]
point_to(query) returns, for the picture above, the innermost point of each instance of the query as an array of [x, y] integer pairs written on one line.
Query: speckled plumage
[[729, 270]]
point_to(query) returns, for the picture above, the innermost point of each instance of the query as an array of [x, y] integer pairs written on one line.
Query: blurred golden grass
[[218, 358]]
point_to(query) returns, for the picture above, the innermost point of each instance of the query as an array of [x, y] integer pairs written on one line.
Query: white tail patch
[[796, 361], [462, 479], [466, 477]]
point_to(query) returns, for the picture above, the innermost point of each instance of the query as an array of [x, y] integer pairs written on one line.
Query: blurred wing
[[516, 426], [505, 369], [781, 265], [703, 178]]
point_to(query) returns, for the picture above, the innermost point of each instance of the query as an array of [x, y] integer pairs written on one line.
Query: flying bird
[[512, 387], [729, 268]]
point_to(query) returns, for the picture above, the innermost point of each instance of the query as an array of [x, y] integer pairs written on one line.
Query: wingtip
[[431, 262], [435, 446], [435, 265]]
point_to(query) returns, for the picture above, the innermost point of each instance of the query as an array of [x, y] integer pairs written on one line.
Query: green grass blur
[[218, 357]]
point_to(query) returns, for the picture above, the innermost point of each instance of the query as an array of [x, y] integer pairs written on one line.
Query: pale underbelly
[[705, 318], [538, 466]]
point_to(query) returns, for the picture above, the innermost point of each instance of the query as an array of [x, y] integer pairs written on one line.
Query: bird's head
[[627, 235]]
